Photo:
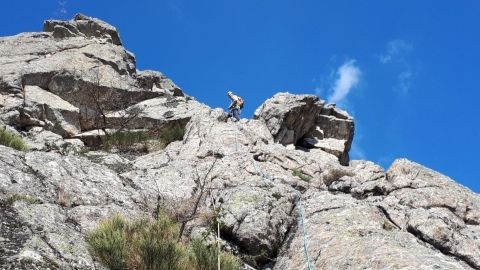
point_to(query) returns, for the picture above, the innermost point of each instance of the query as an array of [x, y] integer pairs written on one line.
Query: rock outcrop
[[85, 80], [281, 184], [305, 121], [82, 26]]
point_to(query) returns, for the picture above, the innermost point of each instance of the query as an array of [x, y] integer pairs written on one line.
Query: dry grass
[[331, 175], [63, 198]]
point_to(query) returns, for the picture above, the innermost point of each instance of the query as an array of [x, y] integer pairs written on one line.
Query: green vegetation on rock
[[139, 140], [302, 175], [25, 198], [172, 134], [146, 244], [206, 257], [9, 139], [125, 140]]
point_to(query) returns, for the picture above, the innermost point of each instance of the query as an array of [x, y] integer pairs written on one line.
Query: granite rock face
[[81, 81], [281, 184]]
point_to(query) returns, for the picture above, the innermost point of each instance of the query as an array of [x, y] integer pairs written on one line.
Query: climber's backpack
[[240, 102]]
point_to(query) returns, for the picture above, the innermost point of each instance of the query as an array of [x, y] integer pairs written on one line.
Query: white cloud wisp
[[398, 55], [396, 51], [348, 77], [62, 8]]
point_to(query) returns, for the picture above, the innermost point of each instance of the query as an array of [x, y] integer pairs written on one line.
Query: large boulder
[[83, 26], [289, 117], [60, 116], [305, 121]]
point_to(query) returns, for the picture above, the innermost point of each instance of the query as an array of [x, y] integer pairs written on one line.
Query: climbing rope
[[299, 203]]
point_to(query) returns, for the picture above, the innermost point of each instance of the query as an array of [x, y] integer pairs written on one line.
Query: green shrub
[[142, 140], [108, 242], [277, 195], [147, 244], [172, 134], [154, 245], [26, 198], [302, 175], [216, 220], [9, 139], [206, 257], [125, 140]]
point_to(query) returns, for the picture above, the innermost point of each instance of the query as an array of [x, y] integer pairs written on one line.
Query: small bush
[[125, 140], [172, 134], [388, 226], [108, 242], [9, 139], [148, 244], [26, 198], [332, 175], [154, 245], [216, 220], [277, 195], [206, 257], [63, 198], [302, 175]]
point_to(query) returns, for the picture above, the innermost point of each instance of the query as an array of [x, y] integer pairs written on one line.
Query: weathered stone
[[113, 161], [435, 209], [43, 140], [340, 128], [344, 233], [154, 80], [289, 117], [9, 113], [60, 31], [20, 248], [46, 106], [85, 26], [93, 75], [157, 113], [68, 196], [302, 120]]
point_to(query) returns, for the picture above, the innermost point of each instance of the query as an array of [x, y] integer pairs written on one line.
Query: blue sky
[[406, 70]]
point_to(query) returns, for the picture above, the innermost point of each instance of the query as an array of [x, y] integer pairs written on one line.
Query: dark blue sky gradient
[[258, 48]]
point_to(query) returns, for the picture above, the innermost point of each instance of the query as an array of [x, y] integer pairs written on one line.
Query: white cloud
[[397, 55], [62, 8], [404, 82], [396, 51], [348, 77]]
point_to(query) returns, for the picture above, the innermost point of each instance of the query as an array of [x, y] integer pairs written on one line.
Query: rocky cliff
[[283, 186]]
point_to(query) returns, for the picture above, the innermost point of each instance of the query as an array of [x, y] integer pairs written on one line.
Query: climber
[[235, 106]]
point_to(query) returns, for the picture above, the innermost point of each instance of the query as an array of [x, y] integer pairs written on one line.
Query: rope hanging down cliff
[[299, 203]]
